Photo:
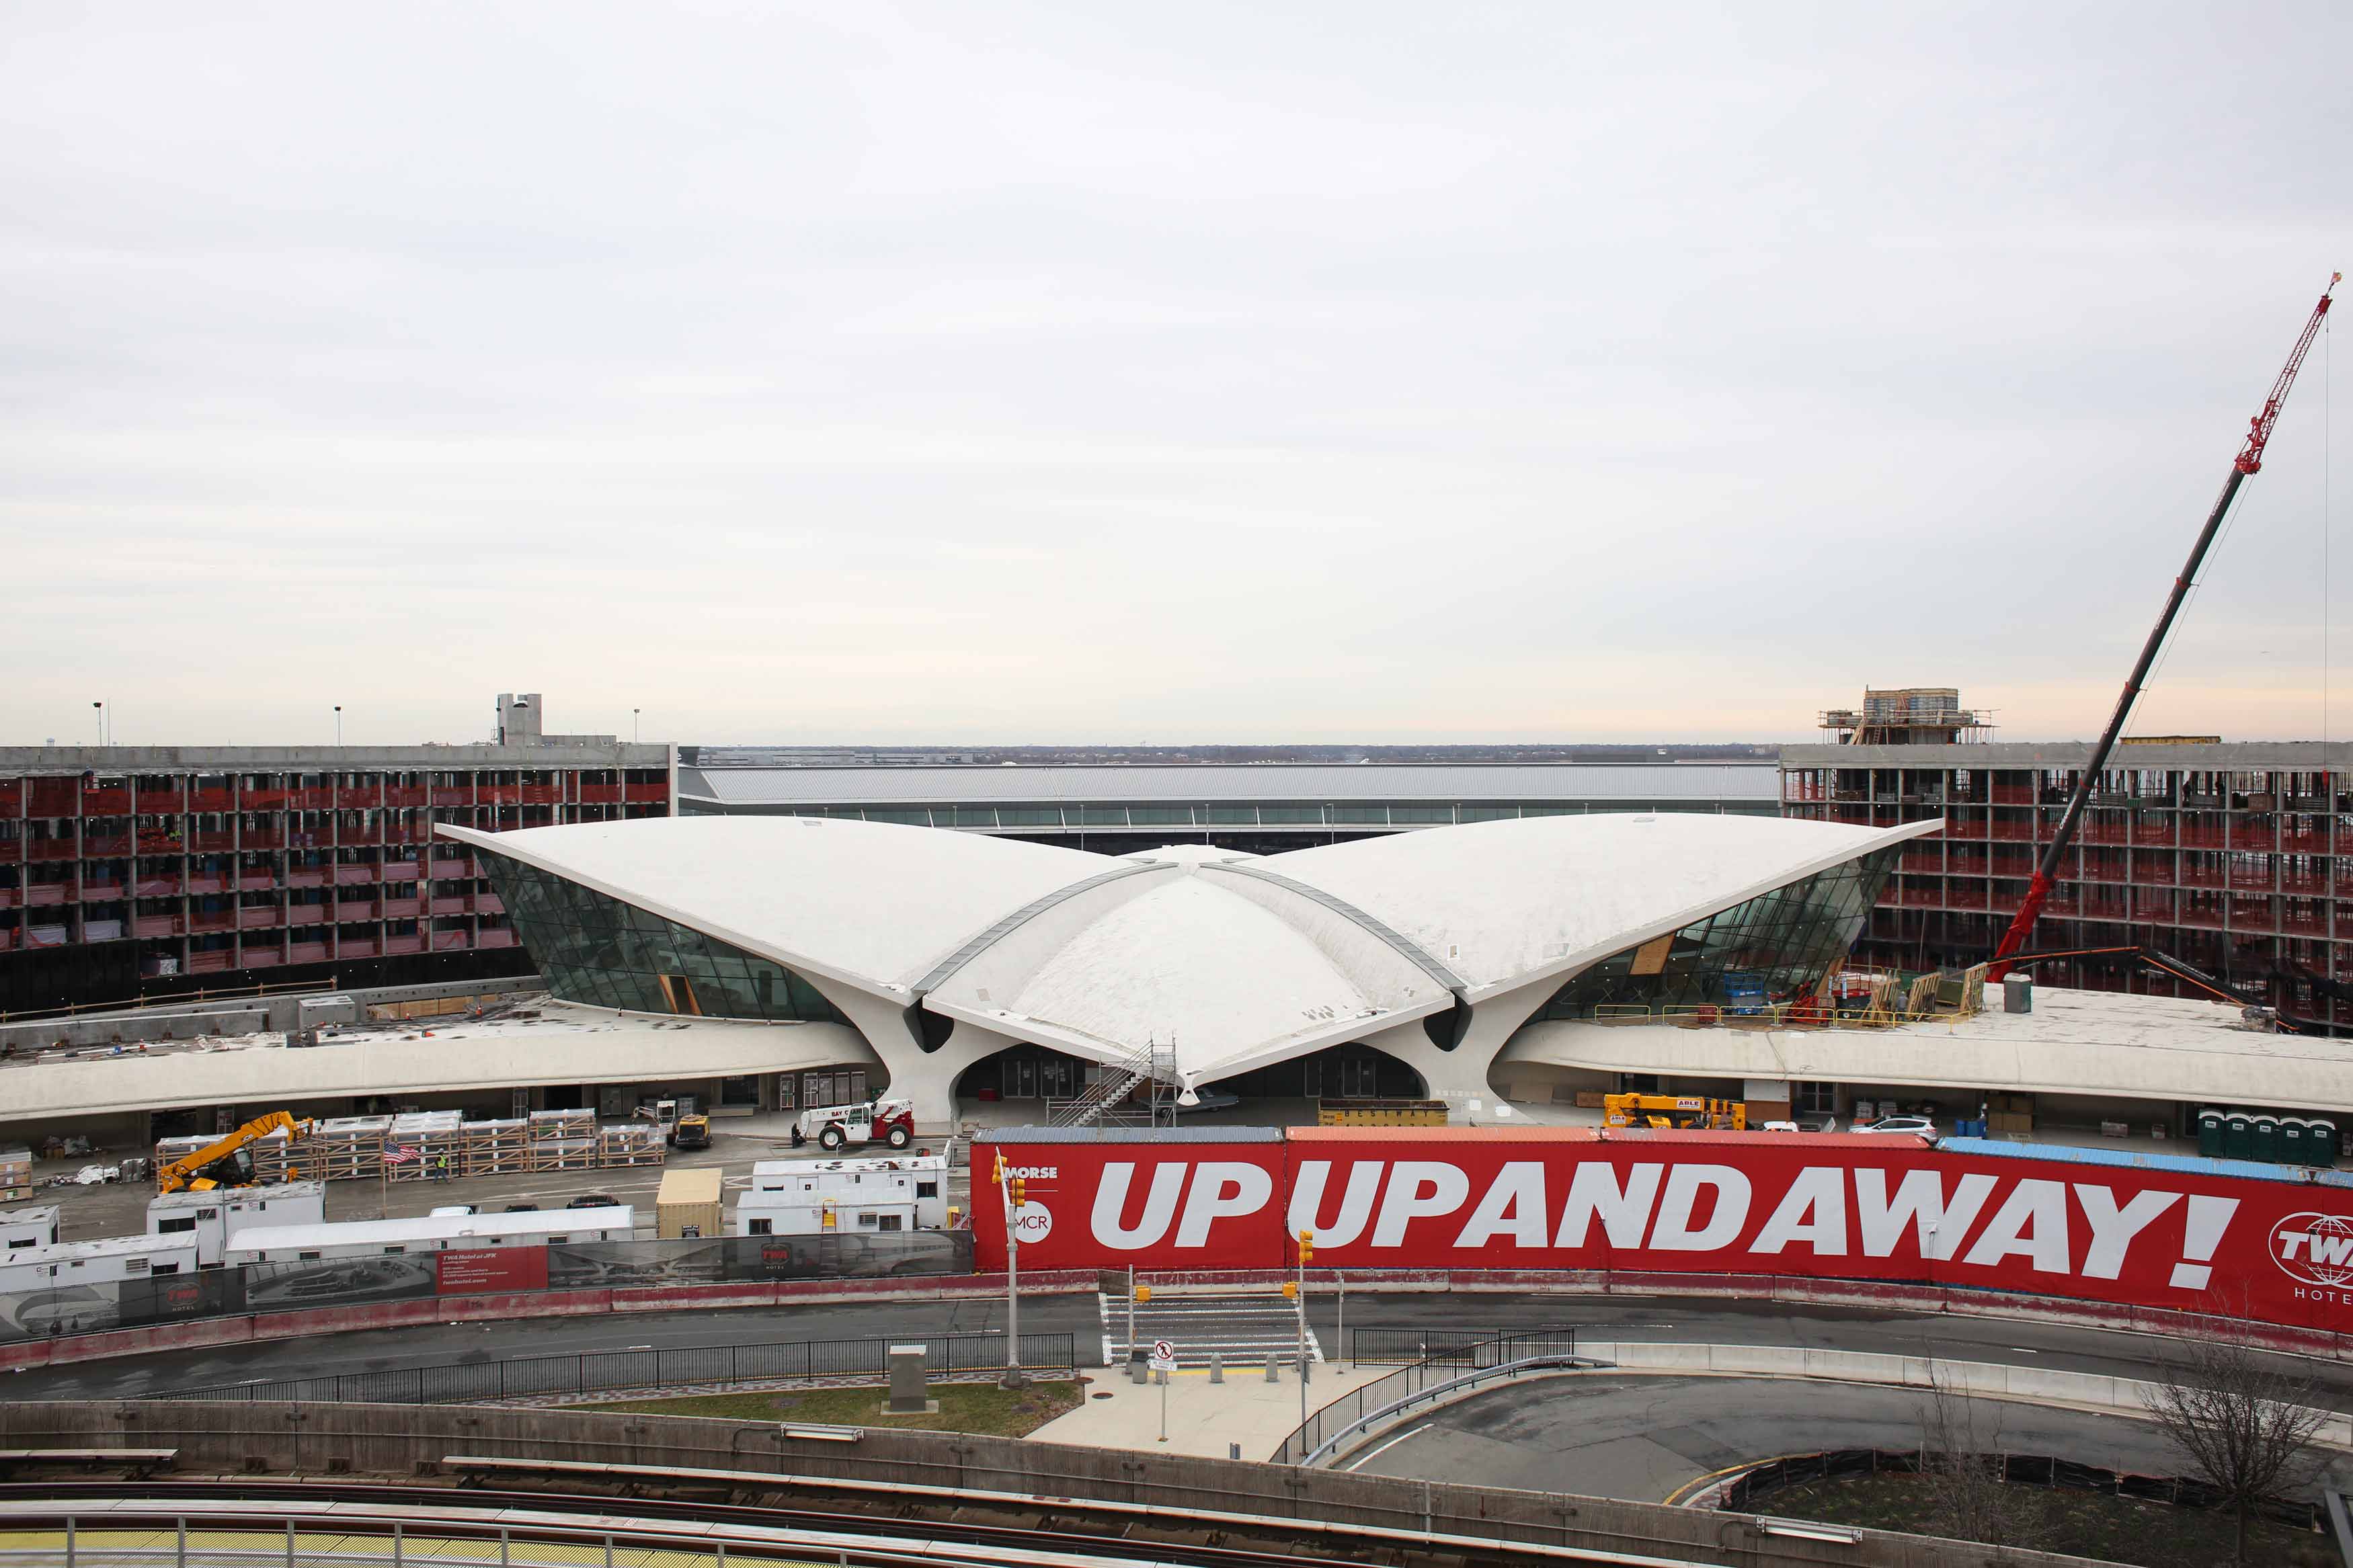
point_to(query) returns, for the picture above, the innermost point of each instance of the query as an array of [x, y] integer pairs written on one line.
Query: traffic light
[[1020, 1190], [998, 1177], [1291, 1289], [1306, 1246], [1143, 1294]]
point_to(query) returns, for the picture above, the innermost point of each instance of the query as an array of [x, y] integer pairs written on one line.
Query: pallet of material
[[346, 1149], [271, 1156], [170, 1148], [629, 1143], [16, 1172], [563, 1124], [497, 1148], [435, 1140], [564, 1153]]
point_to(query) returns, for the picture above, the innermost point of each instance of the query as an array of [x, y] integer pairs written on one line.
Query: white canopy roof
[[1237, 959]]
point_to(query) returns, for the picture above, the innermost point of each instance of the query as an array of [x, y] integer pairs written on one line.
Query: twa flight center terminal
[[1510, 969]]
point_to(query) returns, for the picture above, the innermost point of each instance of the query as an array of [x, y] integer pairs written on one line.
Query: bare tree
[[2244, 1418], [1962, 1470]]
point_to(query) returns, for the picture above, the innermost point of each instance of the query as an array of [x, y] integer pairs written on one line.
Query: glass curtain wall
[[1775, 948], [597, 949]]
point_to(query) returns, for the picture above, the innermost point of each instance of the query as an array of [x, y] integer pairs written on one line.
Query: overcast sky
[[1186, 372]]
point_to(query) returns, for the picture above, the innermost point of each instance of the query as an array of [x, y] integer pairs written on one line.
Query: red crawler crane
[[2250, 460]]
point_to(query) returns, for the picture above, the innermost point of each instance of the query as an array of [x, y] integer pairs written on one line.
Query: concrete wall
[[1275, 1501]]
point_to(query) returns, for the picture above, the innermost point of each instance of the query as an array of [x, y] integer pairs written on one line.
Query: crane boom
[[2250, 460]]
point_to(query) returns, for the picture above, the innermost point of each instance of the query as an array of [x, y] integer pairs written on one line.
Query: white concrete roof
[[2097, 1043], [866, 902], [1496, 901], [1239, 960]]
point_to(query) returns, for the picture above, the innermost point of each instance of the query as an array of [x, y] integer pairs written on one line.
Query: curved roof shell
[[1236, 959]]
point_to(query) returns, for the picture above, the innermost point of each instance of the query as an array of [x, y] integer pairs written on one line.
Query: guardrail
[[1385, 1397], [697, 1366]]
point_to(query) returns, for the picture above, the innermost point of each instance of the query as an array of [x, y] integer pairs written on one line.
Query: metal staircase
[[1105, 1103]]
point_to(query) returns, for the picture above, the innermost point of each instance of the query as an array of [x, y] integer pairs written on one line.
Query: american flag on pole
[[400, 1154]]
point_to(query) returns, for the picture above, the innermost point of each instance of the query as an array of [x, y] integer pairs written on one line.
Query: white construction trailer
[[106, 1261], [431, 1233], [215, 1217], [33, 1225], [865, 1195]]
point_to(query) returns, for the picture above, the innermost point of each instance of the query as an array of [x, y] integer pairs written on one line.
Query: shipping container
[[688, 1205]]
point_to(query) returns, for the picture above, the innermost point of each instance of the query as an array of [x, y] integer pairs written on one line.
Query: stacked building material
[[563, 1140], [272, 1155], [170, 1148], [15, 1173], [629, 1143], [432, 1142], [345, 1149], [497, 1148]]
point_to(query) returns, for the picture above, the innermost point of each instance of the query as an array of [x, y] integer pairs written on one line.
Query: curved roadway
[[1663, 1319], [1607, 1435]]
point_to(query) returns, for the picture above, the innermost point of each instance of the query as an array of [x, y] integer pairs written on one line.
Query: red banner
[[473, 1272], [1810, 1205], [1108, 1204]]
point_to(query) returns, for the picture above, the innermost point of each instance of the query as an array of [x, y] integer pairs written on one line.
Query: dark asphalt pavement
[[1663, 1319], [1603, 1435]]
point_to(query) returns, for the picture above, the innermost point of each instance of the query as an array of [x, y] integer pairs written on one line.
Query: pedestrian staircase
[[1105, 1099], [1244, 1327]]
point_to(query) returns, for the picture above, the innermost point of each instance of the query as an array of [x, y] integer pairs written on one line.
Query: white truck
[[891, 1121]]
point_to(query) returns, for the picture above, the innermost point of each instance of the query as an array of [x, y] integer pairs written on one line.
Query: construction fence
[[566, 1377], [573, 1265]]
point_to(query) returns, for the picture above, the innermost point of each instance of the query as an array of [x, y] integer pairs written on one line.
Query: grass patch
[[982, 1409], [2083, 1524]]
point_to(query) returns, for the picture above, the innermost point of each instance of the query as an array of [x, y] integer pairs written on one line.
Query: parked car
[[523, 1208], [1919, 1125], [454, 1211], [593, 1201]]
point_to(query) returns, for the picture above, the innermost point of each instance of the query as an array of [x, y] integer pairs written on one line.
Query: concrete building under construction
[[2223, 857]]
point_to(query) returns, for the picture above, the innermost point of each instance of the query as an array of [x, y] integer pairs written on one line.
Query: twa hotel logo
[[2316, 1248]]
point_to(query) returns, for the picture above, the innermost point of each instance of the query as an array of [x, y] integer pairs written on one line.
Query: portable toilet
[[2320, 1142], [2209, 1133], [2292, 1133], [2238, 1136], [2264, 1146]]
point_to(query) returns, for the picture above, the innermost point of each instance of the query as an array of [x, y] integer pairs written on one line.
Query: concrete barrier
[[425, 1311], [2033, 1384], [1264, 1508]]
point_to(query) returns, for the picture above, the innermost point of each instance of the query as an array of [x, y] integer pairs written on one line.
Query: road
[[1657, 1319], [1643, 1437]]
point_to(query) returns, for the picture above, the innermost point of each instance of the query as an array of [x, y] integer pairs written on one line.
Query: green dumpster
[[2265, 1147], [2209, 1133], [2320, 1143], [2238, 1136], [2292, 1133]]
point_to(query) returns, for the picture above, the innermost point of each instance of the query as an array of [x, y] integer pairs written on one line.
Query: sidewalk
[[1203, 1417]]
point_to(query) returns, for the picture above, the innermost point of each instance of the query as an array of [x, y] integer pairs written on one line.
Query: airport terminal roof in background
[[1662, 782]]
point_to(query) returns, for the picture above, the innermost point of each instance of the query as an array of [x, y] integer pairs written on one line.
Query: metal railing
[[687, 1366], [1451, 1368], [1453, 1347]]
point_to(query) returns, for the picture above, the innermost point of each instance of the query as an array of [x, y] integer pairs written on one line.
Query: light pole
[[1012, 1191], [634, 729], [339, 724], [100, 705]]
